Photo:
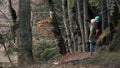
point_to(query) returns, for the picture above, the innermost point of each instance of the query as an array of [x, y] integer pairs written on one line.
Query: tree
[[85, 9], [70, 18], [25, 35], [68, 40], [56, 29], [80, 22]]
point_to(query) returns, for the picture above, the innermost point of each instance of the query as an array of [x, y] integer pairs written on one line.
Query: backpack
[[97, 33]]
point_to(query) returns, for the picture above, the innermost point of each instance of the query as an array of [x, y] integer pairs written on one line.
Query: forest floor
[[82, 60], [76, 60]]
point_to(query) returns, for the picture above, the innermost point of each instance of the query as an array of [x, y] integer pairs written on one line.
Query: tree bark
[[80, 21], [25, 33], [73, 45], [56, 28], [85, 9], [104, 14], [68, 40]]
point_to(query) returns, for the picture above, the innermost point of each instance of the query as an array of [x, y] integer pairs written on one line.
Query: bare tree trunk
[[56, 29], [104, 14], [85, 9], [79, 11], [25, 39], [68, 40], [73, 45], [108, 13]]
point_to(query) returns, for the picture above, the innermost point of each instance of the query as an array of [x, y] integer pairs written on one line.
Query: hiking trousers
[[92, 47]]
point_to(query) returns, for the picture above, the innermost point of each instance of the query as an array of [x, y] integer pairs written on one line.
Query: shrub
[[45, 49]]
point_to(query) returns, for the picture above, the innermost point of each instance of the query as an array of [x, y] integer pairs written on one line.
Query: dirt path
[[76, 60], [75, 56]]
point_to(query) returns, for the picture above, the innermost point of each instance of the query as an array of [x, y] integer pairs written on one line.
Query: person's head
[[92, 21], [97, 18]]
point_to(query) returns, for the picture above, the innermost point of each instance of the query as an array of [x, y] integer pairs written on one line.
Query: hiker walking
[[92, 37]]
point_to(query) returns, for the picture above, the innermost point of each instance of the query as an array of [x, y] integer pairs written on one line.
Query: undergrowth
[[45, 49]]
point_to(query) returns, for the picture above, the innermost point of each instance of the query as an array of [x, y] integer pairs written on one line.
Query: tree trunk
[[79, 12], [56, 29], [73, 45], [68, 40], [85, 9], [25, 39], [104, 14]]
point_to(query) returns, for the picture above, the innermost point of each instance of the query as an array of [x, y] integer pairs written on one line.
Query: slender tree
[[80, 22], [85, 9], [104, 14], [73, 45], [68, 40]]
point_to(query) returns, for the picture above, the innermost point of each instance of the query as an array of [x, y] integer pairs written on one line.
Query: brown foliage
[[41, 23], [45, 25]]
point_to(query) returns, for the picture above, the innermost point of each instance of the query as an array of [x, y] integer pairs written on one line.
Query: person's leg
[[91, 48], [94, 47]]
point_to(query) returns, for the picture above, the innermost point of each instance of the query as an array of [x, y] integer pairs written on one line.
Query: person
[[98, 26], [92, 37]]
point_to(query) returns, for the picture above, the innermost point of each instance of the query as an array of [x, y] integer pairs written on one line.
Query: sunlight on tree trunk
[[79, 11], [73, 45], [68, 40]]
